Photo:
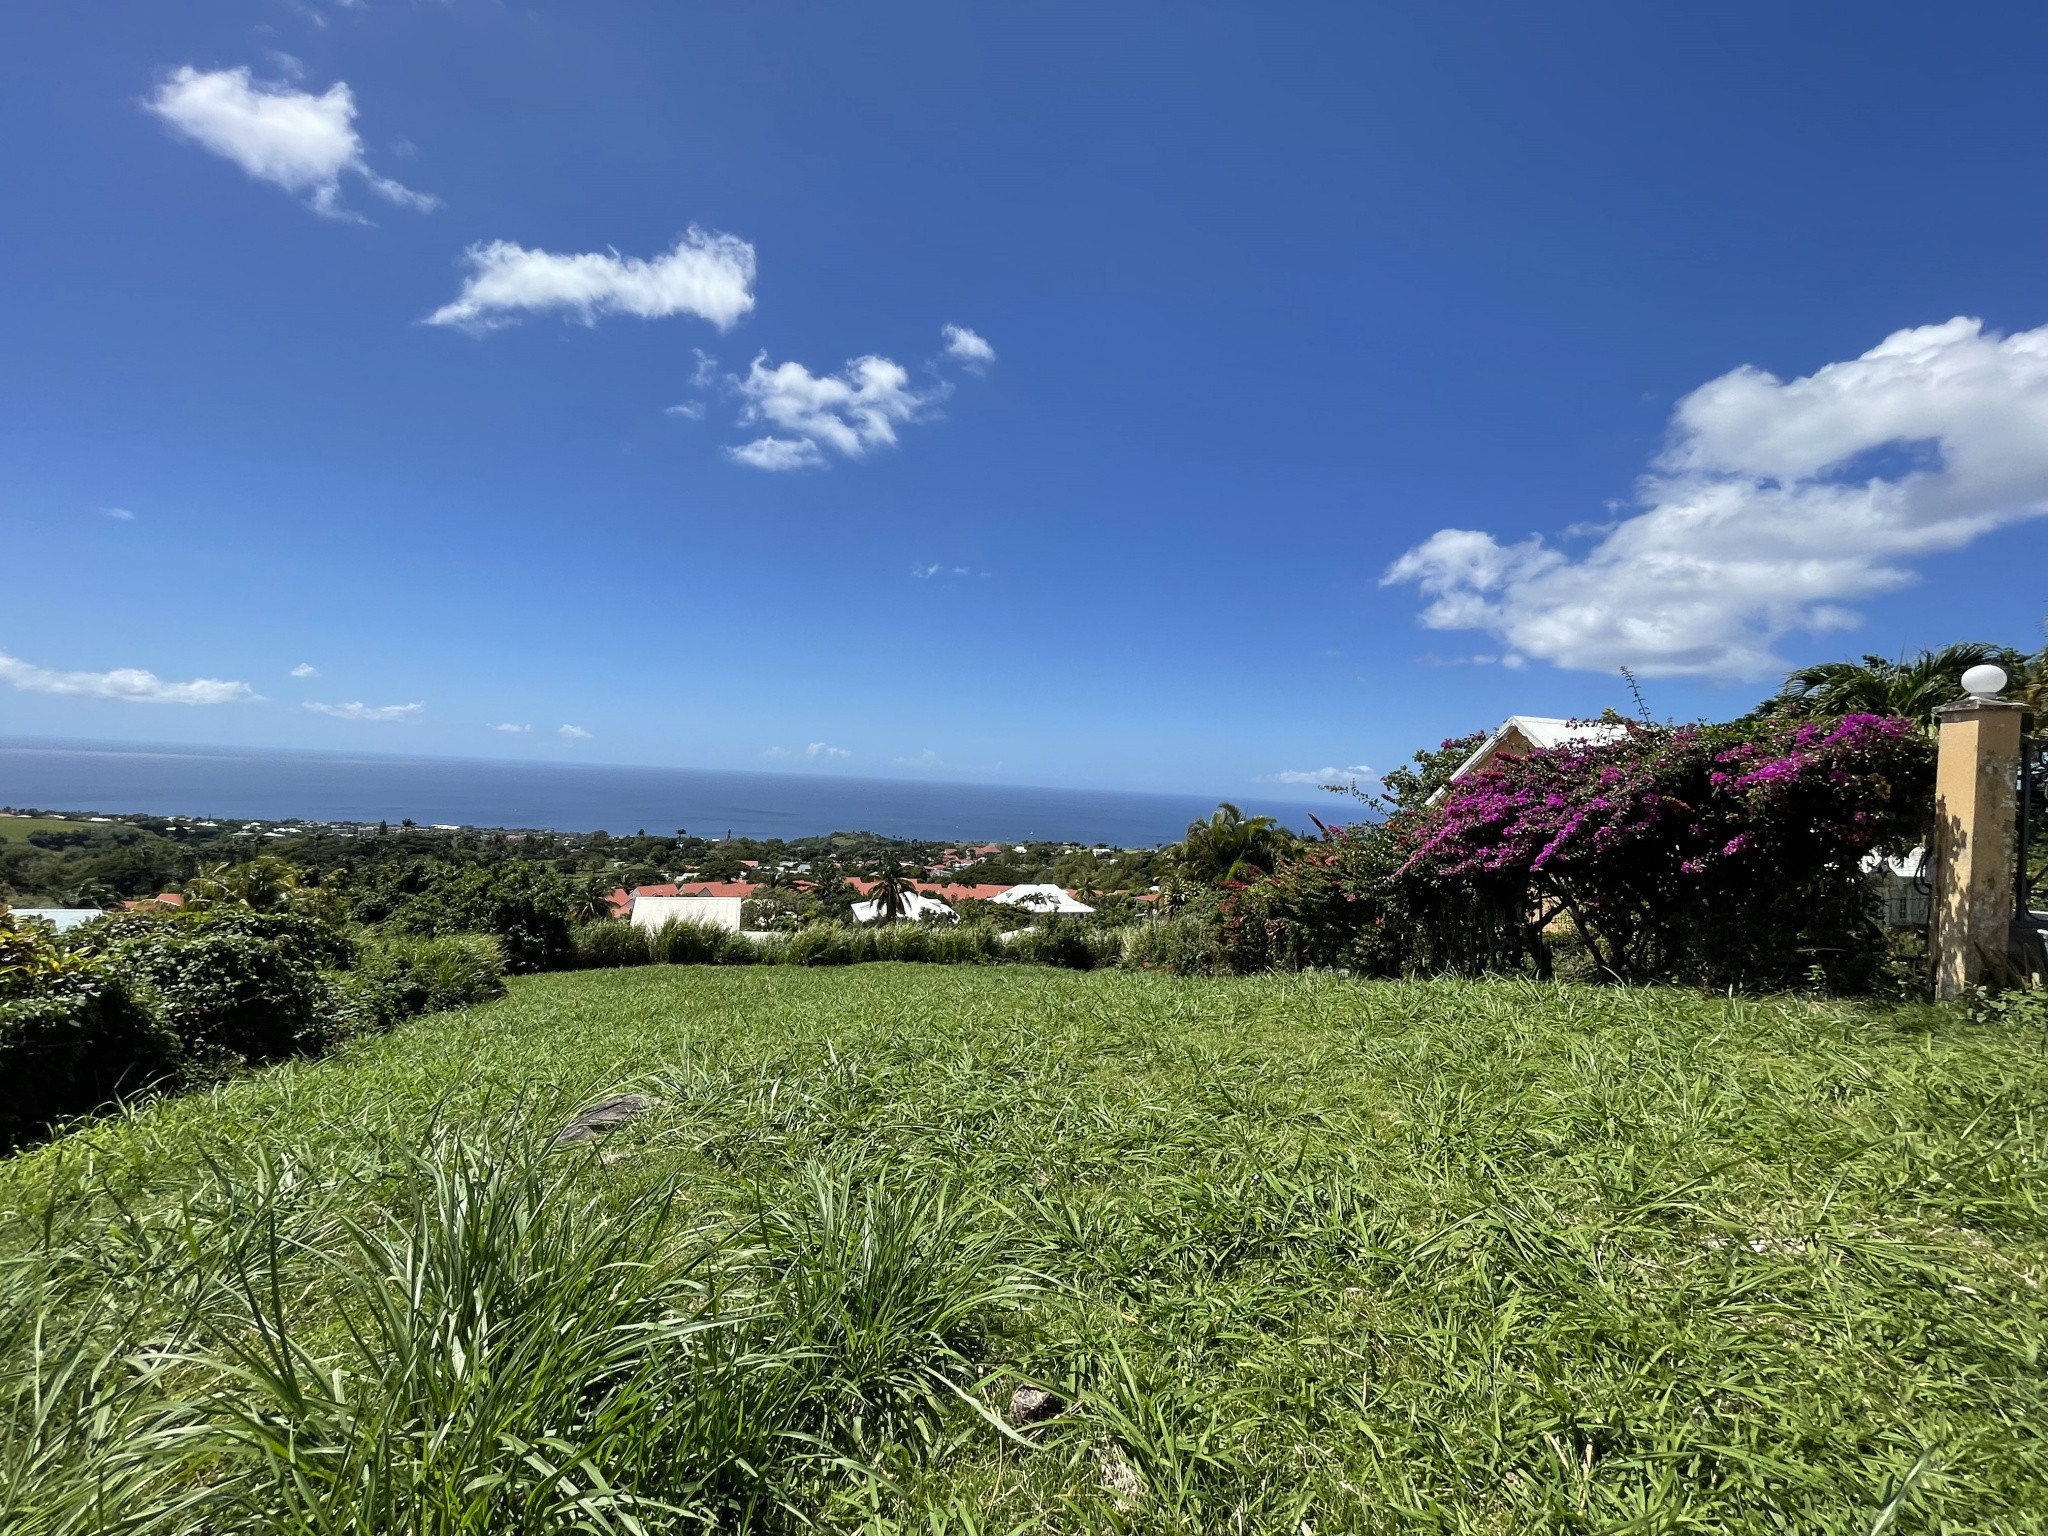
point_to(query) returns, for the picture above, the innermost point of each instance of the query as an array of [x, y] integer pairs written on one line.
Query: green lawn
[[1310, 1255], [18, 829]]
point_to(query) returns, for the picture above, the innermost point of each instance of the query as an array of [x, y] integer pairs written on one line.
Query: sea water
[[237, 783]]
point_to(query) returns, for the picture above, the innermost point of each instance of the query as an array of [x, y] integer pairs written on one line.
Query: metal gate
[[2029, 943], [2030, 877]]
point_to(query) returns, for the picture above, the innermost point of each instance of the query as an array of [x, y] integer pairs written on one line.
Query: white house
[[1522, 734], [914, 907], [1041, 898], [711, 911], [1904, 884]]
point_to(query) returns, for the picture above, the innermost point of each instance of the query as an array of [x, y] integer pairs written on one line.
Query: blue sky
[[1323, 379]]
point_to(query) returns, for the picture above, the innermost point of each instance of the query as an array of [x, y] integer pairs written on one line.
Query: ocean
[[225, 783]]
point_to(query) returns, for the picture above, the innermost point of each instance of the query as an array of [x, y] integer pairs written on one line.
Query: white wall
[[712, 911]]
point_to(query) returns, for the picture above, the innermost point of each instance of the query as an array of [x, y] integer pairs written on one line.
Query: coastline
[[278, 785]]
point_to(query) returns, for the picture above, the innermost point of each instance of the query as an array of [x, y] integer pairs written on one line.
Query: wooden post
[[1976, 840]]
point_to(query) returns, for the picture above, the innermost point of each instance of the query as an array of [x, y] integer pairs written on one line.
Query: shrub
[[779, 911], [1332, 905], [72, 1035], [737, 949], [231, 984], [1186, 942], [399, 977], [1055, 942], [1718, 856], [524, 904], [610, 943]]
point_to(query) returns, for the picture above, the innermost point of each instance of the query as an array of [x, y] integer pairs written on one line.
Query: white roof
[[1911, 865], [1540, 731], [1041, 898], [914, 907]]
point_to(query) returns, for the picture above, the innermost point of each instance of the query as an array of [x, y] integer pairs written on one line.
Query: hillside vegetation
[[1292, 1253]]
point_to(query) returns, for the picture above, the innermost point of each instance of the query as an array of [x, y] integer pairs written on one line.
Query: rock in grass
[[1033, 1405], [1120, 1479], [604, 1115]]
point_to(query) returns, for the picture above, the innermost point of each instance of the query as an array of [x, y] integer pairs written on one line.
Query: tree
[[590, 900], [266, 884], [1911, 689], [1230, 845], [834, 897], [2034, 687], [893, 892], [524, 905]]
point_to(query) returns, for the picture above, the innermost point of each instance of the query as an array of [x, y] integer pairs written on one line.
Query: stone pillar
[[1976, 840]]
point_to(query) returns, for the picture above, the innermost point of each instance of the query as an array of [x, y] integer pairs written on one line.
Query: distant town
[[94, 859]]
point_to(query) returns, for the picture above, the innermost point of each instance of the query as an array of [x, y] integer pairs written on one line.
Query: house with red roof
[[160, 899]]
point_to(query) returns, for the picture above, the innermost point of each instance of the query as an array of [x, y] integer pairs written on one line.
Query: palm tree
[[1912, 688], [266, 884], [590, 901], [2034, 686], [893, 892], [1230, 845]]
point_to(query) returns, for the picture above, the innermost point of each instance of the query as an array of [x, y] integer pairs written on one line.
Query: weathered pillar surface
[[1976, 840]]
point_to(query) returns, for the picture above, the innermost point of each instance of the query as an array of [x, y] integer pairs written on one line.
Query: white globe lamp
[[1984, 681]]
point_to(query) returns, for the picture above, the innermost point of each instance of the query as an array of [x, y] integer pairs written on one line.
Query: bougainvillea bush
[[1714, 855]]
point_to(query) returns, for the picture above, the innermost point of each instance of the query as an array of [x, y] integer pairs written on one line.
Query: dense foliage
[[524, 905], [233, 985], [158, 997], [1721, 856], [73, 1034]]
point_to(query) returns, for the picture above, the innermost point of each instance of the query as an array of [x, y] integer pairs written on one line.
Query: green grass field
[[18, 829], [1299, 1255]]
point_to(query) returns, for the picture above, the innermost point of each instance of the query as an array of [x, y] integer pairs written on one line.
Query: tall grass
[[409, 975], [887, 1291], [478, 1336], [1371, 1257], [681, 942], [607, 945]]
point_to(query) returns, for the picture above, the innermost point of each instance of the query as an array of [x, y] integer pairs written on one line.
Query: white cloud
[[572, 732], [1319, 776], [1772, 506], [777, 453], [305, 669], [512, 730], [130, 684], [924, 572], [292, 139], [778, 752], [964, 346], [707, 275], [819, 749], [118, 514], [705, 374], [691, 410], [850, 412], [358, 710]]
